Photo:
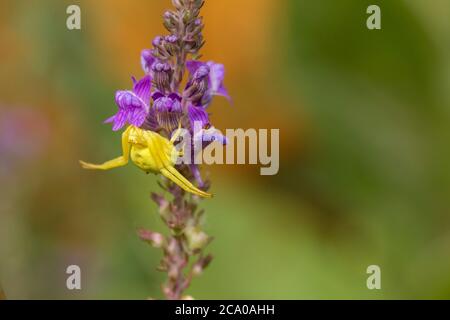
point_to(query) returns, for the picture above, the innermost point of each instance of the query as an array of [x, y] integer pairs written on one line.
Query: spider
[[151, 152]]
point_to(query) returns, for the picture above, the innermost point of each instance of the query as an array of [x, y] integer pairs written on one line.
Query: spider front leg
[[177, 133], [175, 136], [114, 163], [158, 147]]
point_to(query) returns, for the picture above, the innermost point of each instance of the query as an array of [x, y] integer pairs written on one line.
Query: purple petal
[[110, 119], [198, 114], [224, 93], [201, 73], [193, 65], [119, 120], [212, 134], [208, 136], [175, 96], [131, 109], [157, 95], [147, 60], [171, 103], [216, 75], [143, 88]]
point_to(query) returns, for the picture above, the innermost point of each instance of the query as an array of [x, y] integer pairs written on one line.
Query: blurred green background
[[365, 165]]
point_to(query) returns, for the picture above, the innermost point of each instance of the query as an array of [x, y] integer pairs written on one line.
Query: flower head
[[133, 105], [216, 76], [155, 103], [168, 110], [147, 60]]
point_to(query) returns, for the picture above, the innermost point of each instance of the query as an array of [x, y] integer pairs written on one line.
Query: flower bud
[[157, 240], [160, 49], [171, 39], [167, 104], [157, 41], [162, 204], [147, 60], [196, 238], [173, 272], [198, 85], [171, 45], [187, 16], [170, 21], [201, 264], [172, 248], [178, 4]]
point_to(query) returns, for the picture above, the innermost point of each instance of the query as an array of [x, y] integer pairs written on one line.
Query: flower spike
[[174, 92]]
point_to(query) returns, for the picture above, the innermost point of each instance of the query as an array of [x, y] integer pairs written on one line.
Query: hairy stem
[[178, 209]]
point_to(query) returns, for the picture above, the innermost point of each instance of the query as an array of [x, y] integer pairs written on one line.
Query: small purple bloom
[[200, 124], [212, 134], [201, 72], [197, 86], [143, 88], [147, 60], [167, 15], [170, 103], [193, 65], [157, 41], [171, 39], [198, 114], [158, 67], [133, 105], [216, 78], [167, 110]]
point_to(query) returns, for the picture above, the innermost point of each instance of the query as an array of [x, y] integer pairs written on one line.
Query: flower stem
[[179, 210]]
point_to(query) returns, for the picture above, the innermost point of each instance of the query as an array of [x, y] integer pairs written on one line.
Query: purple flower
[[147, 60], [167, 110], [170, 103], [161, 72], [157, 41], [201, 73], [215, 80], [171, 39], [197, 86], [133, 105], [201, 127], [198, 114]]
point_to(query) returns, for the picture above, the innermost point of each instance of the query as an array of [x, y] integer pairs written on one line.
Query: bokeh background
[[365, 163]]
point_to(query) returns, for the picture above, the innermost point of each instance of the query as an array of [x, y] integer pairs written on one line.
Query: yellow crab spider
[[151, 152]]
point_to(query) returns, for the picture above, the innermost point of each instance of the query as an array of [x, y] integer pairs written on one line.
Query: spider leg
[[177, 133], [114, 163], [172, 174]]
